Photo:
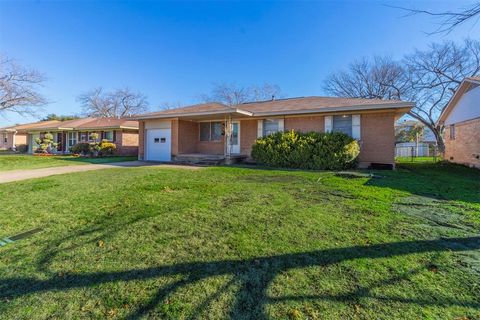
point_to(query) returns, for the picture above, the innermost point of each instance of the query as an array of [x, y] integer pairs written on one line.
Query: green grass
[[243, 243], [418, 159], [21, 162]]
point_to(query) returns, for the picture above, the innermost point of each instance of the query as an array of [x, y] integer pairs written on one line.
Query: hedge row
[[312, 151]]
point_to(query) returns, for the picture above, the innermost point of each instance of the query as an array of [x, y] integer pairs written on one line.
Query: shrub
[[312, 151], [94, 136], [107, 148], [21, 148], [81, 148], [45, 144]]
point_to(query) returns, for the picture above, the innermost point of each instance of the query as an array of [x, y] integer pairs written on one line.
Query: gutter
[[287, 112], [336, 109], [193, 114]]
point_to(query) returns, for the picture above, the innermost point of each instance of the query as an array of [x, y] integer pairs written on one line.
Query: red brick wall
[[211, 147], [465, 148], [127, 142], [174, 137], [248, 135], [141, 140], [9, 144], [305, 124], [378, 138], [189, 137]]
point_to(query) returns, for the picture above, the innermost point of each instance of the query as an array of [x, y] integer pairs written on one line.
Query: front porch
[[208, 159]]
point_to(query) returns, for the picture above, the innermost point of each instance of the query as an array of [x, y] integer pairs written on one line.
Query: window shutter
[[328, 123], [281, 124], [259, 128], [114, 136], [356, 134]]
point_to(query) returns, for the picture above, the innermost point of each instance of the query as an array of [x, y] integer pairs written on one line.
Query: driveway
[[18, 175]]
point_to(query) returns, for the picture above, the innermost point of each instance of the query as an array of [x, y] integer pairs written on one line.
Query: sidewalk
[[18, 175]]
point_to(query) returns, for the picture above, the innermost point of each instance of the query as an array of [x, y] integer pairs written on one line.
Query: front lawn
[[243, 243], [418, 159], [21, 162]]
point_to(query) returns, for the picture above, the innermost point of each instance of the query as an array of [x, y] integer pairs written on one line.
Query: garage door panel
[[158, 144]]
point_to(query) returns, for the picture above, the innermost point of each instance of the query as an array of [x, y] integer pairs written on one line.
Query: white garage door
[[158, 144]]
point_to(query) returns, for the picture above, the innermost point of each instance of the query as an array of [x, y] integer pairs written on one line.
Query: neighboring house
[[461, 119], [122, 132], [427, 135], [15, 137], [424, 147], [216, 129]]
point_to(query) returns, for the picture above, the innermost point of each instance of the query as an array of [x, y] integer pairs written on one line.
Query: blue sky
[[174, 51]]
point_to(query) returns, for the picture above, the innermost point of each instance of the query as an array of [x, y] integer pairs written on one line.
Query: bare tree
[[435, 75], [96, 103], [119, 103], [449, 20], [233, 94], [429, 78], [19, 87], [264, 92], [377, 78], [128, 103], [170, 105]]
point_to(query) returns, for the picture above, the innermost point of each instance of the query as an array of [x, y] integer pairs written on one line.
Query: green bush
[[107, 148], [311, 151], [81, 148], [21, 148], [45, 144]]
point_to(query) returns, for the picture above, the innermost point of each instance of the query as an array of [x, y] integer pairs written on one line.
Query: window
[[270, 126], [83, 136], [211, 131], [72, 138], [452, 132], [108, 135], [342, 124], [5, 140]]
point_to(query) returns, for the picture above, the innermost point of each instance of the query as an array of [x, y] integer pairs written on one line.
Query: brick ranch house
[[461, 119], [213, 129], [122, 132]]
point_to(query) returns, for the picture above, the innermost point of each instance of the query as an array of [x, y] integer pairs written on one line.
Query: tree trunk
[[437, 131]]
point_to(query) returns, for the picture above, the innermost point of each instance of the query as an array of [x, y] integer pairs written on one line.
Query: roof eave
[[193, 114], [450, 105], [338, 109]]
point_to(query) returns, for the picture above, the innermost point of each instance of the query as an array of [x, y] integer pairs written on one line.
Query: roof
[[299, 105], [76, 124], [462, 88], [27, 126]]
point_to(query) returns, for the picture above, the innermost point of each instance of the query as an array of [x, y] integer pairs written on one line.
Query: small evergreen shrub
[[45, 144], [81, 148], [311, 151], [107, 148]]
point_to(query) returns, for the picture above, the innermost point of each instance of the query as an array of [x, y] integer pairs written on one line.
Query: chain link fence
[[417, 152]]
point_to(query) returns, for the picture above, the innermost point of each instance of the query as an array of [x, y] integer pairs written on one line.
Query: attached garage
[[158, 141]]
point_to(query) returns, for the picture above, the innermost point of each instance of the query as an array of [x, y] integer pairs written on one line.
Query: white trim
[[328, 123], [193, 114], [335, 109], [356, 124], [260, 128], [281, 125], [232, 147], [396, 105]]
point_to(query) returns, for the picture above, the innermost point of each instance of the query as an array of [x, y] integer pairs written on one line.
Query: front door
[[234, 141]]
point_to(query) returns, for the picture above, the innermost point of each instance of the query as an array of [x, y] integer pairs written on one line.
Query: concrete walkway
[[18, 175]]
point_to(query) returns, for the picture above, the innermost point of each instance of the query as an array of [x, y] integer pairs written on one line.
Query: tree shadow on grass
[[253, 276], [440, 181]]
